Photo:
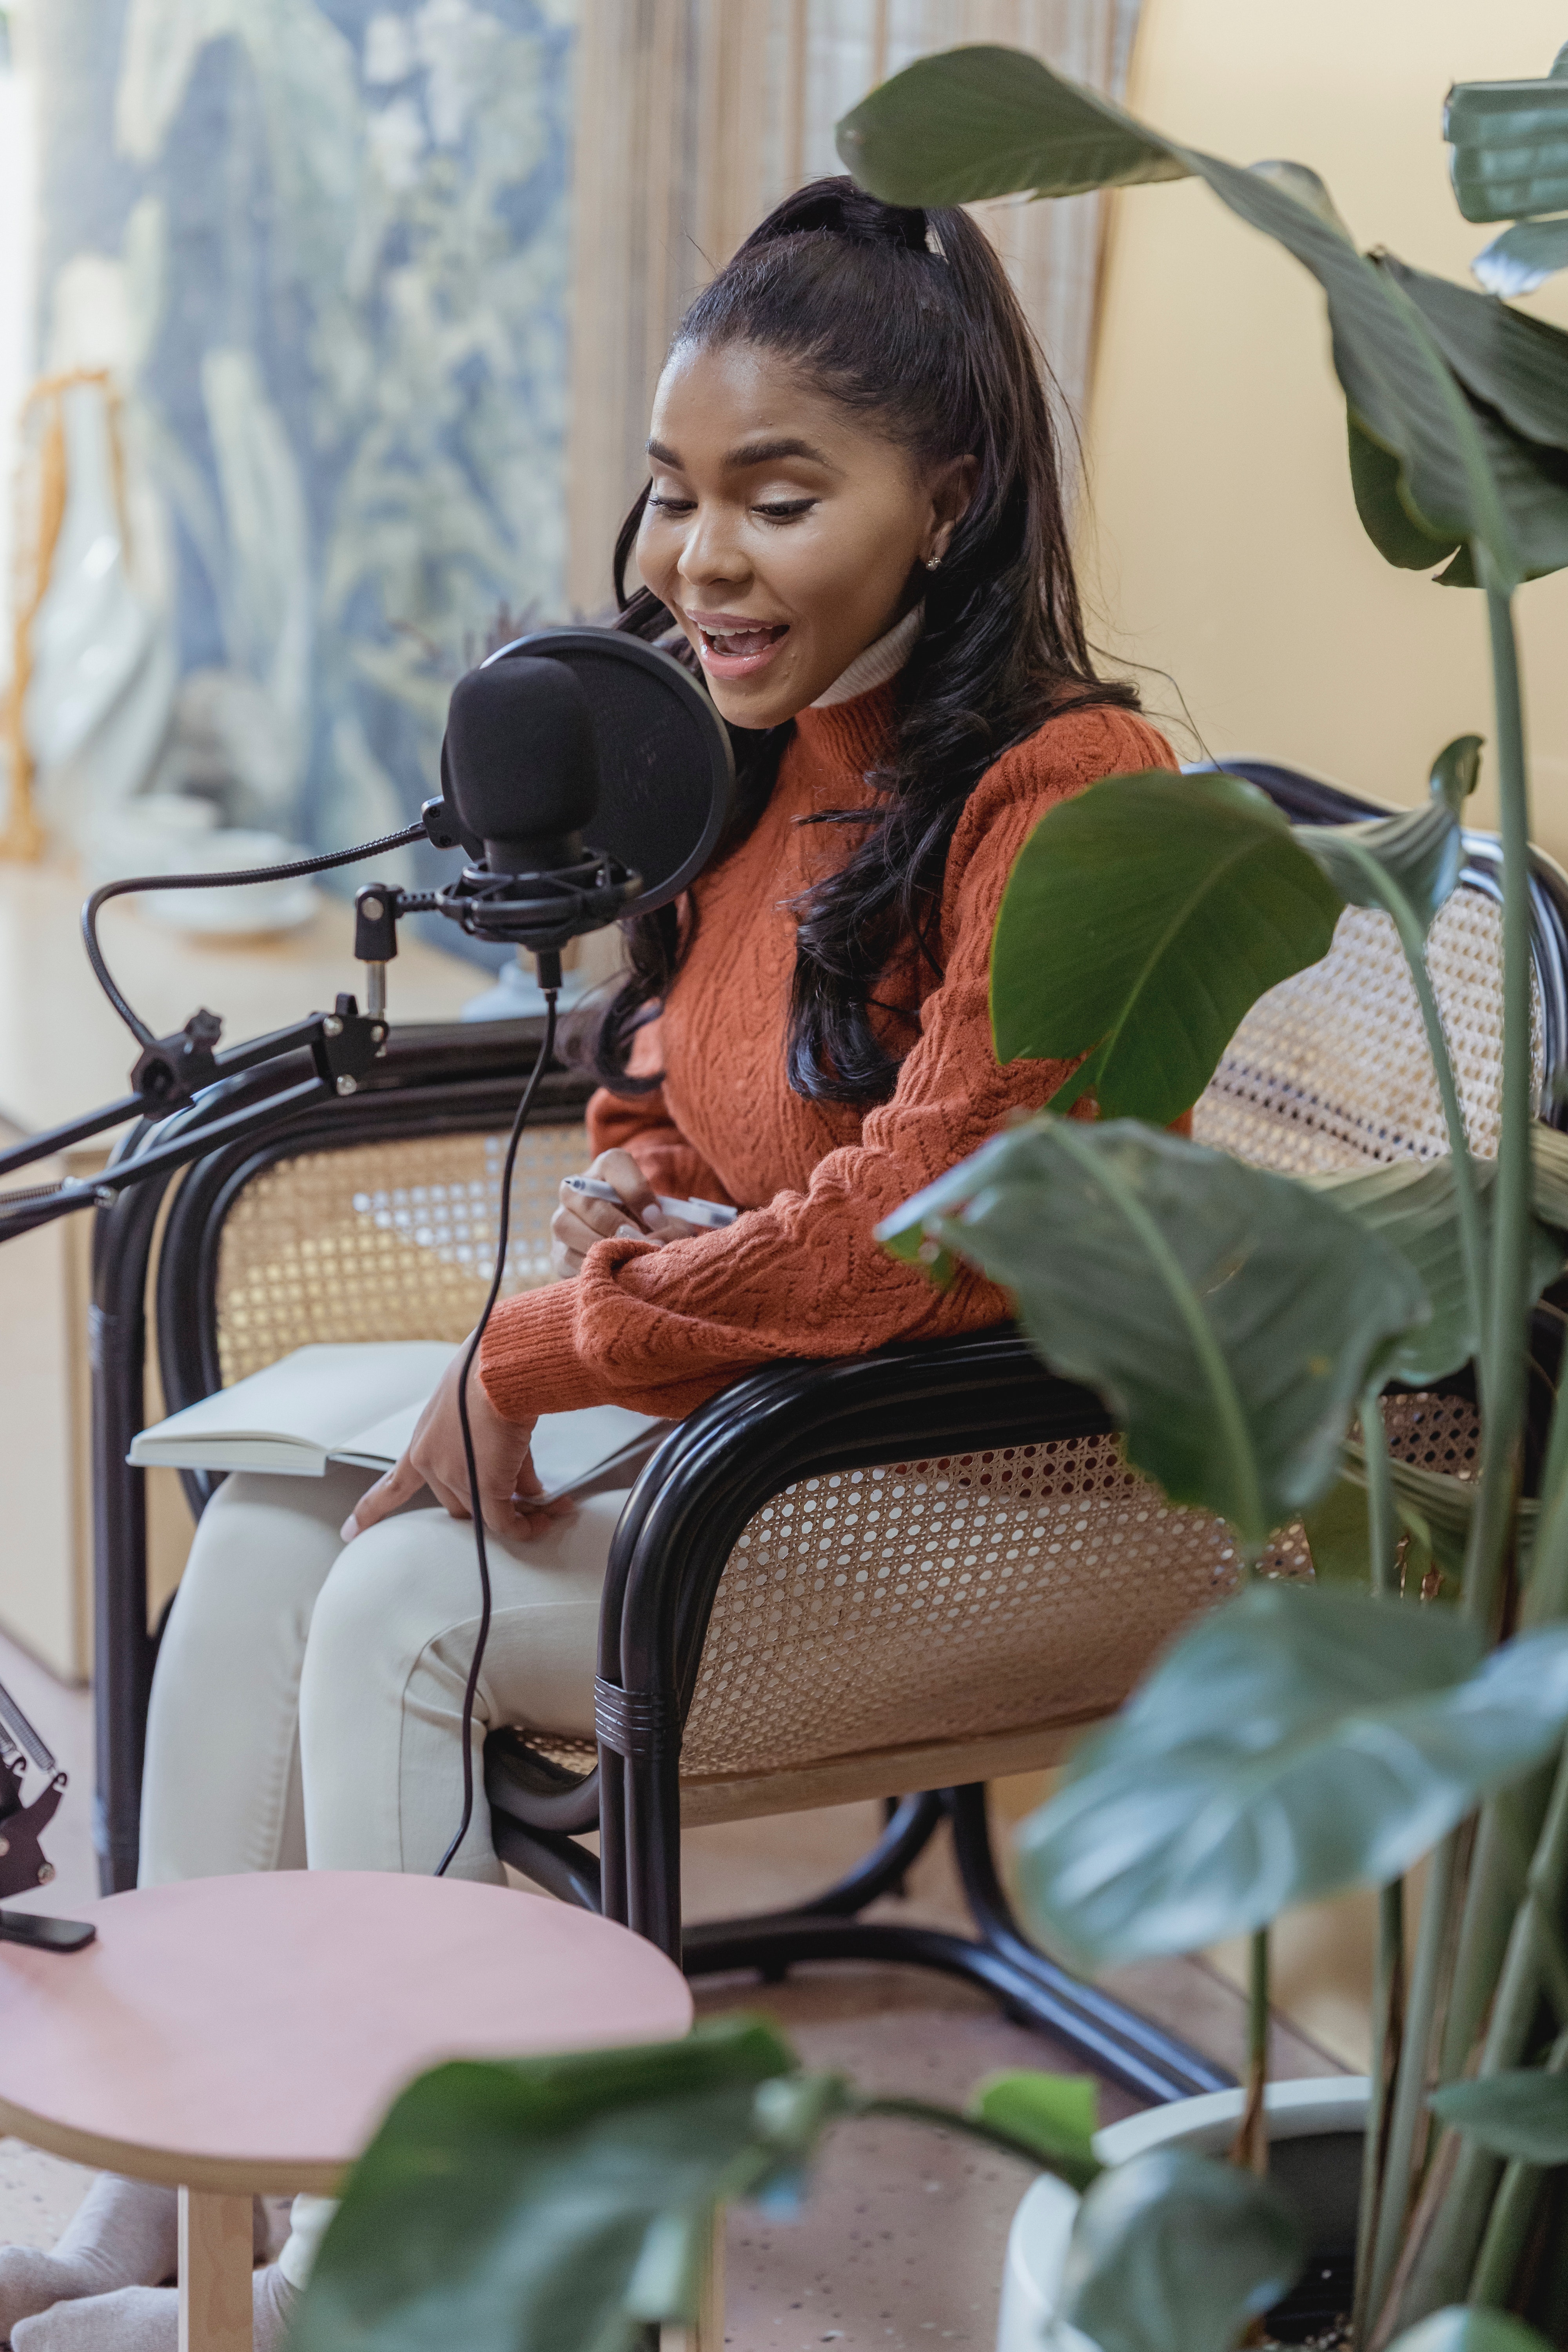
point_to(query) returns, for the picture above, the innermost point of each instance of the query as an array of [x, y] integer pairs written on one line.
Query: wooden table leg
[[708, 2335], [216, 2253]]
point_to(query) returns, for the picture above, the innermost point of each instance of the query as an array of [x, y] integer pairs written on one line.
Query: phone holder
[[22, 1863]]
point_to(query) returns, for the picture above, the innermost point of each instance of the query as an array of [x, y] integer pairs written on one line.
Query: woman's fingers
[[438, 1458], [580, 1220], [529, 1526], [671, 1229], [402, 1482], [619, 1169], [589, 1221], [574, 1227]]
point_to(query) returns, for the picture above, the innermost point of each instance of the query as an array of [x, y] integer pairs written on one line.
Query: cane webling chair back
[[1330, 1070], [915, 1571], [388, 1240]]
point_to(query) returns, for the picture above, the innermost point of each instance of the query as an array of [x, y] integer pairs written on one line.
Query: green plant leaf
[[1175, 2249], [1140, 922], [1336, 1531], [1457, 771], [1398, 535], [1412, 1206], [986, 122], [553, 2204], [1548, 1174], [1295, 1742], [1000, 120], [1441, 1507], [1523, 2114], [1528, 482], [1468, 2327], [1510, 142], [1523, 257], [1513, 370], [1055, 2114], [1438, 1507], [1507, 359], [1421, 850], [1230, 1319]]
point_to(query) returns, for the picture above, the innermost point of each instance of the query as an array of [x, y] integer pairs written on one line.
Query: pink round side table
[[236, 2036]]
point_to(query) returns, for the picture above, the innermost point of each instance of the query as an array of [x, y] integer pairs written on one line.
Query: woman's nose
[[711, 552]]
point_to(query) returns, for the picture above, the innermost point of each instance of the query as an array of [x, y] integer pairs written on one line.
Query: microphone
[[520, 771], [582, 770], [522, 768]]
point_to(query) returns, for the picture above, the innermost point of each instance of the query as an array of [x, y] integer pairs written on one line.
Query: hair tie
[[842, 209]]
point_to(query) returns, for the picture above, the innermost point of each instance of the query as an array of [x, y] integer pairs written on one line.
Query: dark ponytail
[[907, 319]]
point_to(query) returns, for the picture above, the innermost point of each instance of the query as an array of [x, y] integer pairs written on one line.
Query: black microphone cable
[[546, 1048], [296, 870]]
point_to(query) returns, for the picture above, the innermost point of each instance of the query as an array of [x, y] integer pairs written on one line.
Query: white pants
[[306, 1707]]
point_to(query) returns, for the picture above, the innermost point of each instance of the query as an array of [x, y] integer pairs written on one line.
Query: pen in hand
[[712, 1215]]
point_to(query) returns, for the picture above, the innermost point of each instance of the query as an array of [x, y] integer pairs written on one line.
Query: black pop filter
[[666, 772]]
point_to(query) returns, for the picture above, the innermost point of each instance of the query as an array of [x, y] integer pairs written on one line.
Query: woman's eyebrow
[[767, 453], [750, 453]]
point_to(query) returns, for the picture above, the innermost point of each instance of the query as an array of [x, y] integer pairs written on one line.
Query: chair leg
[[613, 1834], [652, 1857], [999, 1929], [1115, 2039], [122, 1671], [552, 1859], [911, 1823]]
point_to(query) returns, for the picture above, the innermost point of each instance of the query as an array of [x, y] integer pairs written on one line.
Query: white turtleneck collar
[[879, 663]]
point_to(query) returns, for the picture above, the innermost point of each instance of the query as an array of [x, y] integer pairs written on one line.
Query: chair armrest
[[798, 1420]]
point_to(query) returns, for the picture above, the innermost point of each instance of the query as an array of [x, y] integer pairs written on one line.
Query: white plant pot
[[1315, 2131]]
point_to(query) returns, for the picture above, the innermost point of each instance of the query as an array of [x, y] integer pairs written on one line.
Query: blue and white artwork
[[337, 233]]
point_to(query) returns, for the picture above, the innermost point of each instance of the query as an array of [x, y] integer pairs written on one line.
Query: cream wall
[[1227, 549]]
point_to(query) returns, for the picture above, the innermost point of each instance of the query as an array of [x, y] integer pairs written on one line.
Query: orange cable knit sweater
[[798, 1273]]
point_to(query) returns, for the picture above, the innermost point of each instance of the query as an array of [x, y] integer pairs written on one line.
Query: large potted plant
[[1241, 1327], [1304, 1739]]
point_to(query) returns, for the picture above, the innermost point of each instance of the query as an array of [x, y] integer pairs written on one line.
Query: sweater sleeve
[[662, 1330], [641, 1124]]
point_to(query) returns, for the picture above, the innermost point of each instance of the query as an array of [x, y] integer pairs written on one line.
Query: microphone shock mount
[[540, 912]]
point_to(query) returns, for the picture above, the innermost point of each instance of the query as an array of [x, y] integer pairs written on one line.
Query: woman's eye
[[785, 510], [673, 506]]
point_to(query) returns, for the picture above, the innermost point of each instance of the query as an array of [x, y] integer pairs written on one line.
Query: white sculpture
[[100, 696]]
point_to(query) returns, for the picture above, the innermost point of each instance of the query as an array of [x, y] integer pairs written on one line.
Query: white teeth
[[740, 641]]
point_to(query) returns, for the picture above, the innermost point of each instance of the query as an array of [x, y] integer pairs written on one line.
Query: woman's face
[[783, 532]]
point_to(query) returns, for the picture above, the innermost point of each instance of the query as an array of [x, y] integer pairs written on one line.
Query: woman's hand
[[580, 1221], [508, 1480]]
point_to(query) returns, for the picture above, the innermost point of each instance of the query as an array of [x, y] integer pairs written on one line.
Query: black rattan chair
[[835, 1580]]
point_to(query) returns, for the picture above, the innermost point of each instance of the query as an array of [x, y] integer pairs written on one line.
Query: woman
[[855, 522]]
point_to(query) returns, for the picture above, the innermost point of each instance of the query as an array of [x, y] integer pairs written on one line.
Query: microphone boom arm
[[343, 1044], [538, 885]]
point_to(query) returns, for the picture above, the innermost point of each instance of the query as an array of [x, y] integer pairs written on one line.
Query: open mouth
[[741, 647]]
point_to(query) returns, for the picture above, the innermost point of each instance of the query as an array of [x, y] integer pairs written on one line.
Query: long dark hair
[[908, 318]]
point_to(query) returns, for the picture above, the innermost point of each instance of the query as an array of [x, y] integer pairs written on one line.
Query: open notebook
[[358, 1405]]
